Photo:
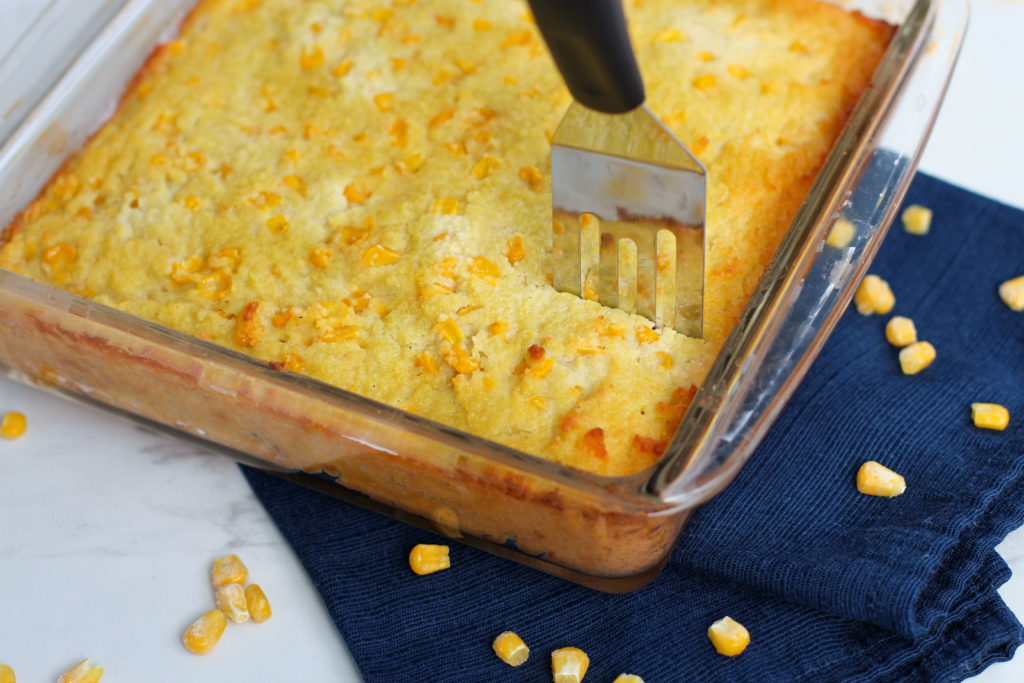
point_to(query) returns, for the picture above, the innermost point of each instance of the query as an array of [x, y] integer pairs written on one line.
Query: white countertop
[[107, 530]]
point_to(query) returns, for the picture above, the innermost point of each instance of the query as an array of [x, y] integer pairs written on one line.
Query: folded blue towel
[[831, 584]]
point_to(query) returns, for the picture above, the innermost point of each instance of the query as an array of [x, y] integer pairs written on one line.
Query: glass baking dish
[[611, 533]]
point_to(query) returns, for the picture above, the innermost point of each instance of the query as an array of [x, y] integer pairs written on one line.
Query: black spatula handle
[[590, 44]]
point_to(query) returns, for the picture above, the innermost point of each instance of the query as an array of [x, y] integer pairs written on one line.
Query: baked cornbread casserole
[[359, 191]]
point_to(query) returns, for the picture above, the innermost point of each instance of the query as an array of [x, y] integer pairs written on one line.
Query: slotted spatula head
[[628, 198], [628, 202]]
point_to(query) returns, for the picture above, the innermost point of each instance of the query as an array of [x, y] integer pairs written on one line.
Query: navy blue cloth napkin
[[831, 584]]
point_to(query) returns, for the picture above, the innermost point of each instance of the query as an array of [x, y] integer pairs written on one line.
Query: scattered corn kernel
[[204, 632], [230, 599], [841, 234], [917, 219], [900, 331], [728, 636], [83, 672], [228, 569], [990, 415], [569, 664], [12, 425], [427, 559], [873, 296], [7, 674], [874, 479], [257, 603], [1012, 293], [628, 678], [511, 648], [916, 357]]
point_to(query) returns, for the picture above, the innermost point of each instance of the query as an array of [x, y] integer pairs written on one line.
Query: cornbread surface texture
[[359, 191]]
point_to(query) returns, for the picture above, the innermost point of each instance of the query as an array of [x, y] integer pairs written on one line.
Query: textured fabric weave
[[831, 584]]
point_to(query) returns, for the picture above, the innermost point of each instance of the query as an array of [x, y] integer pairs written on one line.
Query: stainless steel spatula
[[628, 197]]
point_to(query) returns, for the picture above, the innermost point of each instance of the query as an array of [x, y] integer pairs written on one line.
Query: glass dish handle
[[822, 287], [51, 44]]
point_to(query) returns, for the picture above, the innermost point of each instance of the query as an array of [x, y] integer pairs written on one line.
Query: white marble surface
[[106, 531]]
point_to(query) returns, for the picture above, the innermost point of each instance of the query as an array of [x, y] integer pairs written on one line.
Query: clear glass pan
[[612, 533]]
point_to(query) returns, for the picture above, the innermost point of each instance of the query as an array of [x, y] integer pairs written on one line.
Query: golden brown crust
[[400, 251]]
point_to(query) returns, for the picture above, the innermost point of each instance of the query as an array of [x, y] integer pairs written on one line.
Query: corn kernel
[[12, 425], [266, 200], [483, 168], [385, 101], [337, 333], [409, 164], [257, 603], [668, 35], [532, 177], [58, 259], [516, 250], [379, 255], [427, 363], [441, 118], [321, 256], [342, 68], [738, 71], [356, 194], [990, 415], [460, 360], [900, 331], [705, 82], [841, 234], [192, 203], [228, 569], [249, 328], [628, 678], [873, 296], [229, 257], [916, 357], [445, 205], [450, 330], [728, 636], [1012, 293], [427, 559], [646, 335], [83, 672], [569, 665], [874, 479], [294, 362], [456, 149], [277, 224], [215, 285], [510, 648], [311, 58], [917, 219], [230, 599], [204, 632], [517, 38], [484, 269]]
